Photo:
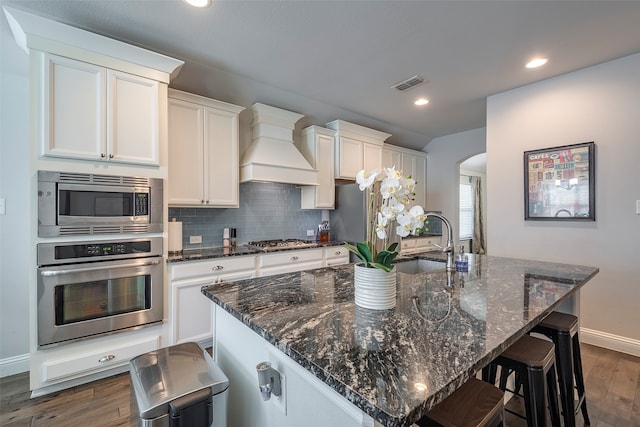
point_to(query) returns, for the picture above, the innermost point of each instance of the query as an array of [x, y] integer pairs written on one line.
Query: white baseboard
[[612, 342], [14, 365]]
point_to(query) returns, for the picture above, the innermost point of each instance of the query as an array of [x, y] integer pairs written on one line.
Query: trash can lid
[[161, 376]]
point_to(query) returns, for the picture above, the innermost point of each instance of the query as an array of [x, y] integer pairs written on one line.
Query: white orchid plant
[[389, 201]]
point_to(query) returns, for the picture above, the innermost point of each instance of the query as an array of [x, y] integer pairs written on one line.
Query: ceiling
[[338, 59]]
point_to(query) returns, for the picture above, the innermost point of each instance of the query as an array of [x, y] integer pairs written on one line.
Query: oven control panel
[[65, 253]]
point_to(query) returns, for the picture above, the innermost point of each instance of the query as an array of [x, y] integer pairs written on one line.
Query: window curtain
[[478, 242]]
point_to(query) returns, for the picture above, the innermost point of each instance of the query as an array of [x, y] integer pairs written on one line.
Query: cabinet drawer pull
[[107, 358], [294, 258], [217, 267], [338, 253]]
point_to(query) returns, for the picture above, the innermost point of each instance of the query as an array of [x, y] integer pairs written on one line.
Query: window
[[466, 208]]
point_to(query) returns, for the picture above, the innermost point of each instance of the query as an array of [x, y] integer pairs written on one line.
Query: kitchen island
[[345, 365]]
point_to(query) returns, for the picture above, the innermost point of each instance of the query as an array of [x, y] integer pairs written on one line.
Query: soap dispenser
[[462, 260]]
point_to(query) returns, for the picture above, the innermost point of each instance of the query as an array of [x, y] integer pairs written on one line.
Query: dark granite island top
[[396, 364]]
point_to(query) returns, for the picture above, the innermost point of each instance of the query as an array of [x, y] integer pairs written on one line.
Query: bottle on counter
[[225, 238], [323, 232], [232, 238], [462, 260]]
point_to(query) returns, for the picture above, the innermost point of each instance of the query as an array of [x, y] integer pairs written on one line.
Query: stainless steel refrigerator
[[348, 221]]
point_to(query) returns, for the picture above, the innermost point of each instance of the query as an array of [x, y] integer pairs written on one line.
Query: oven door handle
[[49, 273]]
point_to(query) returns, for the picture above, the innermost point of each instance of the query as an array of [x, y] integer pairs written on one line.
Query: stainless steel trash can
[[178, 386]]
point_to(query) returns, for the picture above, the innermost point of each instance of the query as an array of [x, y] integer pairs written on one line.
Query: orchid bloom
[[392, 209], [404, 220], [381, 226], [389, 187], [366, 179], [389, 197]]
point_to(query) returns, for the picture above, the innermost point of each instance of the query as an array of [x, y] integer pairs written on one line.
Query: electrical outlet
[[195, 239], [309, 233]]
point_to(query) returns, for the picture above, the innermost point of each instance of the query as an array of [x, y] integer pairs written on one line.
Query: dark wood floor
[[612, 383]]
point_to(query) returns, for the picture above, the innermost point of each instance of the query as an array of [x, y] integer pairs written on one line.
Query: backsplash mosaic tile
[[267, 211]]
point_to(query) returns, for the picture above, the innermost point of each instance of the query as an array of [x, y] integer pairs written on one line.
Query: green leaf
[[364, 251], [392, 247], [386, 268], [355, 251]]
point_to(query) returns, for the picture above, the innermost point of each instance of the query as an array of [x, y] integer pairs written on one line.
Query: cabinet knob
[[217, 267], [102, 155], [107, 358], [202, 201], [111, 156], [294, 258], [338, 253]]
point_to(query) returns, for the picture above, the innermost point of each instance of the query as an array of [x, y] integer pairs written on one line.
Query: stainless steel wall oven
[[86, 289], [84, 204]]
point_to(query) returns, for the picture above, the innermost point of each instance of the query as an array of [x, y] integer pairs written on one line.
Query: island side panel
[[305, 401]]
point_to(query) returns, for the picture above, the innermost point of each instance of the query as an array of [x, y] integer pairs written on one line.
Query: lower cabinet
[[414, 245], [190, 316], [80, 362], [335, 255], [288, 261], [305, 400]]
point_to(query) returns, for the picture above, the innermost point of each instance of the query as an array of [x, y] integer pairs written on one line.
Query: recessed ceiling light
[[199, 3], [421, 101], [535, 63]]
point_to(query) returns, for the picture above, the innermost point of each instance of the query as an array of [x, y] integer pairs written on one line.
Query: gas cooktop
[[272, 245]]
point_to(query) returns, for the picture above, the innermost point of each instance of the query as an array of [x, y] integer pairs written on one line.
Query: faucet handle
[[447, 249]]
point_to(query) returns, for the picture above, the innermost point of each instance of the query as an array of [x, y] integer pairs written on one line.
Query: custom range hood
[[272, 156]]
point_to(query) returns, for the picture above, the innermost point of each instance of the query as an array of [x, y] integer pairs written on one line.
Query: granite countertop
[[396, 364], [240, 250]]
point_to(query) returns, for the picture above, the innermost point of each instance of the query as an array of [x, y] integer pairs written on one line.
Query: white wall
[[599, 104], [444, 156], [15, 237]]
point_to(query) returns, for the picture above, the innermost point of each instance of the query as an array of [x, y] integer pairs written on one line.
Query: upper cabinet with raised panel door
[[356, 148], [318, 147], [96, 113], [203, 151], [412, 163], [96, 98]]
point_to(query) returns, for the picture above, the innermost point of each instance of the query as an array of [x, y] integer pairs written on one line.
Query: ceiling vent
[[409, 83]]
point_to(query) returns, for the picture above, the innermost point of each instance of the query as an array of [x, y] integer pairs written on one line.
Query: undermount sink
[[417, 266]]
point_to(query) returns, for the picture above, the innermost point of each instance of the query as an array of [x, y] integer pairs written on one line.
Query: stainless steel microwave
[[77, 204]]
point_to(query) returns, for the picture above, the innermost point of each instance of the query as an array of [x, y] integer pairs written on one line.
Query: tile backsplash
[[267, 211]]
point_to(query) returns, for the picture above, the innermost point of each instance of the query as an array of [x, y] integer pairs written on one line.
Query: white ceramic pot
[[374, 288]]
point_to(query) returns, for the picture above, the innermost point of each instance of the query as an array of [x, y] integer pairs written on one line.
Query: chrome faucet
[[449, 248]]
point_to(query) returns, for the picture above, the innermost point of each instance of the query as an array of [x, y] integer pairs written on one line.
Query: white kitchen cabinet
[[203, 151], [238, 350], [391, 157], [289, 261], [96, 360], [415, 165], [190, 317], [335, 255], [412, 163], [94, 113], [317, 148], [414, 245], [356, 148]]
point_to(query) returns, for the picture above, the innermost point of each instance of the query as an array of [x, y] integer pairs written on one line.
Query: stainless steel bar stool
[[532, 360], [475, 404], [562, 328]]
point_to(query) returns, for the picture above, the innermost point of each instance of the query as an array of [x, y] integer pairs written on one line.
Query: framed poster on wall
[[559, 183]]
